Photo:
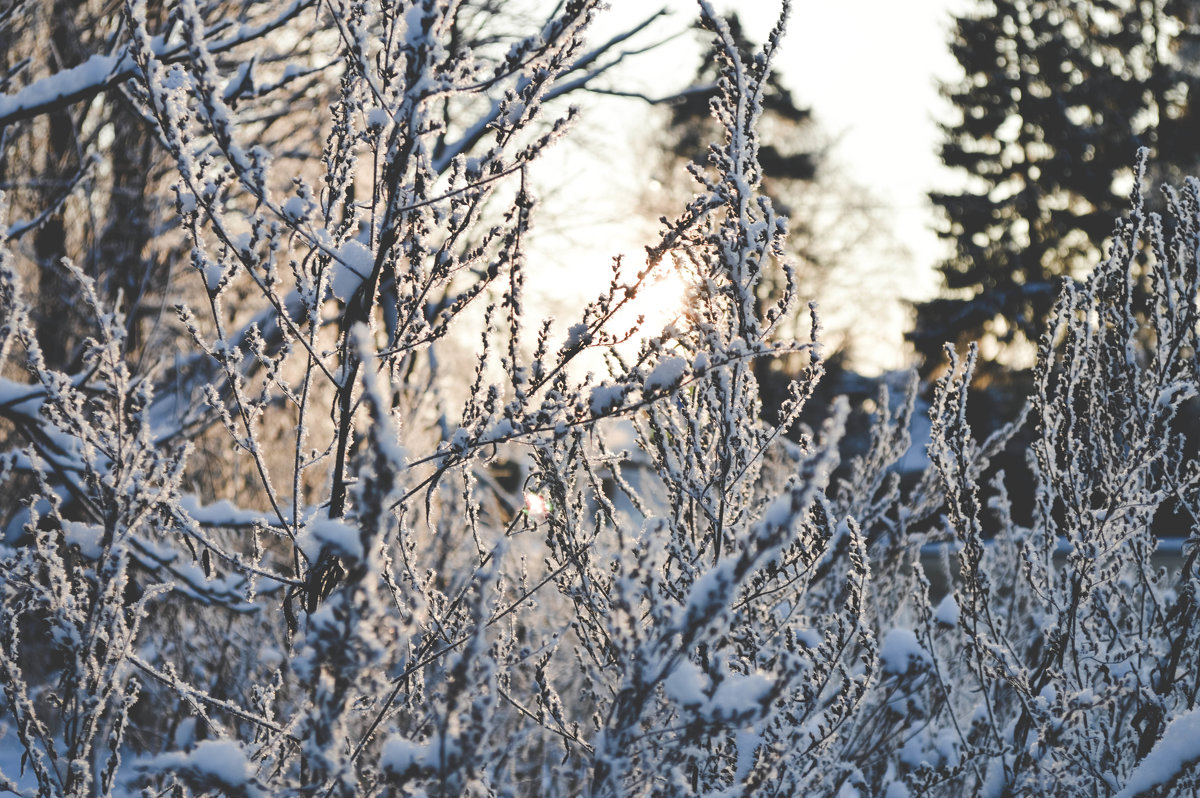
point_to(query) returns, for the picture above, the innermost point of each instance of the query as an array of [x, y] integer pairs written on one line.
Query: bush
[[617, 585]]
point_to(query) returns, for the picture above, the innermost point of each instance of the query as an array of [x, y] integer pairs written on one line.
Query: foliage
[[1056, 98], [670, 598]]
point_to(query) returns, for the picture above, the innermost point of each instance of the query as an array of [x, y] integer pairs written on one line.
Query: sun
[[664, 296]]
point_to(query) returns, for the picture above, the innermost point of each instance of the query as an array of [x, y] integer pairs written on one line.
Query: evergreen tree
[[1056, 98], [692, 127]]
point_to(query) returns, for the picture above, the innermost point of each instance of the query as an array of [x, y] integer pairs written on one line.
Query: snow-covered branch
[[354, 522]]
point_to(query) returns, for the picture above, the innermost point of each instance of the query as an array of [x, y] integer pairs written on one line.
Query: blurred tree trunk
[[124, 265], [59, 158]]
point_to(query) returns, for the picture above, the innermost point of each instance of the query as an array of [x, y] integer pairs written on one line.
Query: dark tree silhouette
[[1057, 97]]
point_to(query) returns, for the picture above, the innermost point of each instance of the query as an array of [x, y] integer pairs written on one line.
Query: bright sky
[[868, 69]]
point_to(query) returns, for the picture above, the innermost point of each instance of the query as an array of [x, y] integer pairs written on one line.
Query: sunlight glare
[[661, 300]]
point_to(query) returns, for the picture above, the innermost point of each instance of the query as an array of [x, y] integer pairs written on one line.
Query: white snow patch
[[947, 611], [946, 744], [353, 264], [779, 512], [747, 741], [666, 375], [378, 118], [219, 513], [1176, 749], [213, 274], [809, 638], [12, 754], [900, 650], [187, 202], [399, 755], [16, 394], [606, 398], [460, 439], [736, 692], [93, 72], [243, 80], [577, 336], [86, 536], [241, 243], [296, 208], [686, 684], [223, 760], [501, 430], [337, 535], [220, 763]]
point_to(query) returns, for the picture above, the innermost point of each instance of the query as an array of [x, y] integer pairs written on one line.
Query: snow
[[398, 755], [243, 80], [220, 513], [946, 743], [212, 763], [336, 535], [747, 741], [993, 780], [732, 628], [809, 638], [606, 398], [241, 242], [666, 375], [98, 70], [577, 336], [353, 264], [223, 760], [11, 764], [296, 208], [501, 430], [15, 394], [779, 513], [187, 202], [741, 692], [460, 439], [1176, 751], [686, 684], [735, 693], [709, 592], [213, 274], [378, 118], [86, 536], [900, 650], [946, 611], [66, 83]]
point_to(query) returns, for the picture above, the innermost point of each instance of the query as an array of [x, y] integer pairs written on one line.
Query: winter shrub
[[669, 597]]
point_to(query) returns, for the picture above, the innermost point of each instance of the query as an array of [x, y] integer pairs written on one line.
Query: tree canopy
[[1056, 97]]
